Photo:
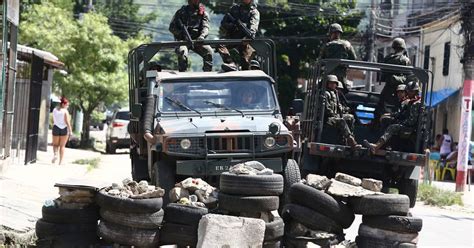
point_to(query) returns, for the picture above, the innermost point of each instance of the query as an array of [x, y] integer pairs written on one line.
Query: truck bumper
[[216, 167]]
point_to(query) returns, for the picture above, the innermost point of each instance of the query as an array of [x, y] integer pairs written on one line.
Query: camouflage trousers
[[344, 125], [204, 51], [246, 52], [392, 130]]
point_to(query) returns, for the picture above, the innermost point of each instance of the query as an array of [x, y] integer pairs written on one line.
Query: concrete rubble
[[344, 190], [372, 184], [317, 181], [132, 189], [250, 168], [229, 231], [341, 177], [195, 192]]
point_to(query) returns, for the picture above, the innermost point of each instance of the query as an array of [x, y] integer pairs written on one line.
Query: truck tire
[[139, 166], [184, 214], [390, 204], [164, 176], [252, 204], [291, 175], [310, 218], [128, 235], [178, 234], [367, 231], [325, 204], [409, 187], [274, 229], [70, 216], [368, 242], [394, 223], [137, 220], [89, 239], [252, 185], [46, 229], [129, 205]]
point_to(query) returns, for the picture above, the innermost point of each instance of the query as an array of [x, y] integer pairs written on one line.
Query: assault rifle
[[187, 36], [241, 26]]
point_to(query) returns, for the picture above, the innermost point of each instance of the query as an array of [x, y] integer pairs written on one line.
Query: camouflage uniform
[[197, 22], [408, 120], [392, 80], [338, 115], [250, 16], [338, 49]]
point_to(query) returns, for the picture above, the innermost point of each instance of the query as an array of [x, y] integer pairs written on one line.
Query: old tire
[[310, 218], [271, 244], [409, 187], [88, 239], [291, 175], [178, 234], [46, 229], [394, 223], [183, 214], [137, 220], [129, 205], [368, 242], [321, 202], [253, 185], [253, 204], [390, 204], [70, 216], [274, 229], [128, 235], [367, 231]]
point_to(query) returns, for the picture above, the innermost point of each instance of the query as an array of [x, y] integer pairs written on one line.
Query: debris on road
[[345, 190], [132, 189], [341, 177], [317, 181], [194, 191], [372, 184], [250, 168]]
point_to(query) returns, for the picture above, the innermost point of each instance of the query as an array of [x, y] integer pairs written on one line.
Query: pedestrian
[[338, 48], [338, 115], [446, 144], [246, 12], [194, 20], [61, 129]]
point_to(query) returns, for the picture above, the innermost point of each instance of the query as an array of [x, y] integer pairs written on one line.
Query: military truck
[[198, 124], [323, 152]]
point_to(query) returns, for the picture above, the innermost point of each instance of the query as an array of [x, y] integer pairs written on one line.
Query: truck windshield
[[248, 95]]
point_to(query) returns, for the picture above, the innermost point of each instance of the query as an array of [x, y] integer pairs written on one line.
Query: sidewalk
[[467, 196]]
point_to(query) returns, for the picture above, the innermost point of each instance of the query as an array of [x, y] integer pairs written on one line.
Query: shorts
[[59, 131]]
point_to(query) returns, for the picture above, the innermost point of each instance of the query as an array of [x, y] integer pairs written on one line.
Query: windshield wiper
[[182, 105], [218, 105]]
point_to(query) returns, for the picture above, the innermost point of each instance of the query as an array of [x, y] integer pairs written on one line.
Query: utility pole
[[371, 44], [467, 18]]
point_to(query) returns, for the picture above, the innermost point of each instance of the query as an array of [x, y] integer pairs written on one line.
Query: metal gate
[[37, 68]]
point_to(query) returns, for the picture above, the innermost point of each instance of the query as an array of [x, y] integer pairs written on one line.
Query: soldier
[[247, 13], [338, 48], [194, 18], [338, 115], [390, 118], [392, 80], [408, 120]]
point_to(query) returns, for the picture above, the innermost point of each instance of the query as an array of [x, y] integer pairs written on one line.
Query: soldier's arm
[[254, 22], [226, 23], [174, 26], [351, 52], [205, 27], [327, 108]]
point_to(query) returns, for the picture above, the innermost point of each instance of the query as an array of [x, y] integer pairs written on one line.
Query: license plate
[[220, 165]]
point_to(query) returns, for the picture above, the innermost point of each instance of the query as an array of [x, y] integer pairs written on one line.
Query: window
[[426, 58], [447, 51]]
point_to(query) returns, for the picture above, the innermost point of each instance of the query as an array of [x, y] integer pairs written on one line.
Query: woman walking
[[61, 129]]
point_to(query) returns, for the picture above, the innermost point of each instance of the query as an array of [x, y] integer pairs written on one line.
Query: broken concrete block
[[209, 199], [265, 171], [372, 184], [340, 189], [229, 231], [177, 193], [142, 186], [193, 184], [341, 177], [317, 181]]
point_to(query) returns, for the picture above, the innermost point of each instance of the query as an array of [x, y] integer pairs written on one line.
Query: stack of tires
[[61, 227], [127, 221], [317, 212], [254, 195], [181, 224], [385, 222]]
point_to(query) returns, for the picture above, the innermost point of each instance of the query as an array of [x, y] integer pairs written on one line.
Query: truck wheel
[[409, 187], [291, 175], [139, 166], [164, 176]]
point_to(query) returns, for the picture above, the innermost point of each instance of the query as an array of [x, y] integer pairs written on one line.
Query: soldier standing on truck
[[407, 122], [392, 80], [338, 48], [241, 22], [191, 22], [337, 115]]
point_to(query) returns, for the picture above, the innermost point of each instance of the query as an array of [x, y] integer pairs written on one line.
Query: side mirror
[[136, 111], [297, 105]]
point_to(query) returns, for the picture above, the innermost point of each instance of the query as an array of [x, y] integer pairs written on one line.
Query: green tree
[[95, 59]]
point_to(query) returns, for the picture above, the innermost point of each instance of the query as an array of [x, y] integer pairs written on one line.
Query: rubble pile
[[195, 192]]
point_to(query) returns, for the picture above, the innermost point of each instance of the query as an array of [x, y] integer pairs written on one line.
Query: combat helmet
[[413, 86], [398, 43], [335, 27], [401, 87]]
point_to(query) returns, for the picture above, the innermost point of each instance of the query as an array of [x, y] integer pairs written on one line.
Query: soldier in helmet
[[338, 48], [407, 120], [390, 118], [336, 114], [195, 19], [248, 14], [391, 79]]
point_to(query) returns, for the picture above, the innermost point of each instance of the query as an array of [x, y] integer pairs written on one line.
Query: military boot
[[353, 143]]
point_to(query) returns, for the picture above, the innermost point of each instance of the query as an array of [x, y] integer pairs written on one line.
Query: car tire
[[368, 242], [178, 234], [394, 223], [252, 204], [128, 235], [389, 204], [291, 175], [274, 229], [46, 229], [310, 218], [321, 202], [129, 205], [409, 187], [137, 220], [184, 214], [164, 175], [367, 231], [139, 166], [88, 239], [252, 185], [70, 216]]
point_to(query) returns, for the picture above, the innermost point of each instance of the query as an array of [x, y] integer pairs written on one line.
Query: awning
[[440, 95]]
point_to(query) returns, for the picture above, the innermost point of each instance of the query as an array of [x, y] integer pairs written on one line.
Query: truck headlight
[[185, 144], [269, 142]]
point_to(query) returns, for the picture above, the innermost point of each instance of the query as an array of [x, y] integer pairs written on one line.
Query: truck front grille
[[229, 144]]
